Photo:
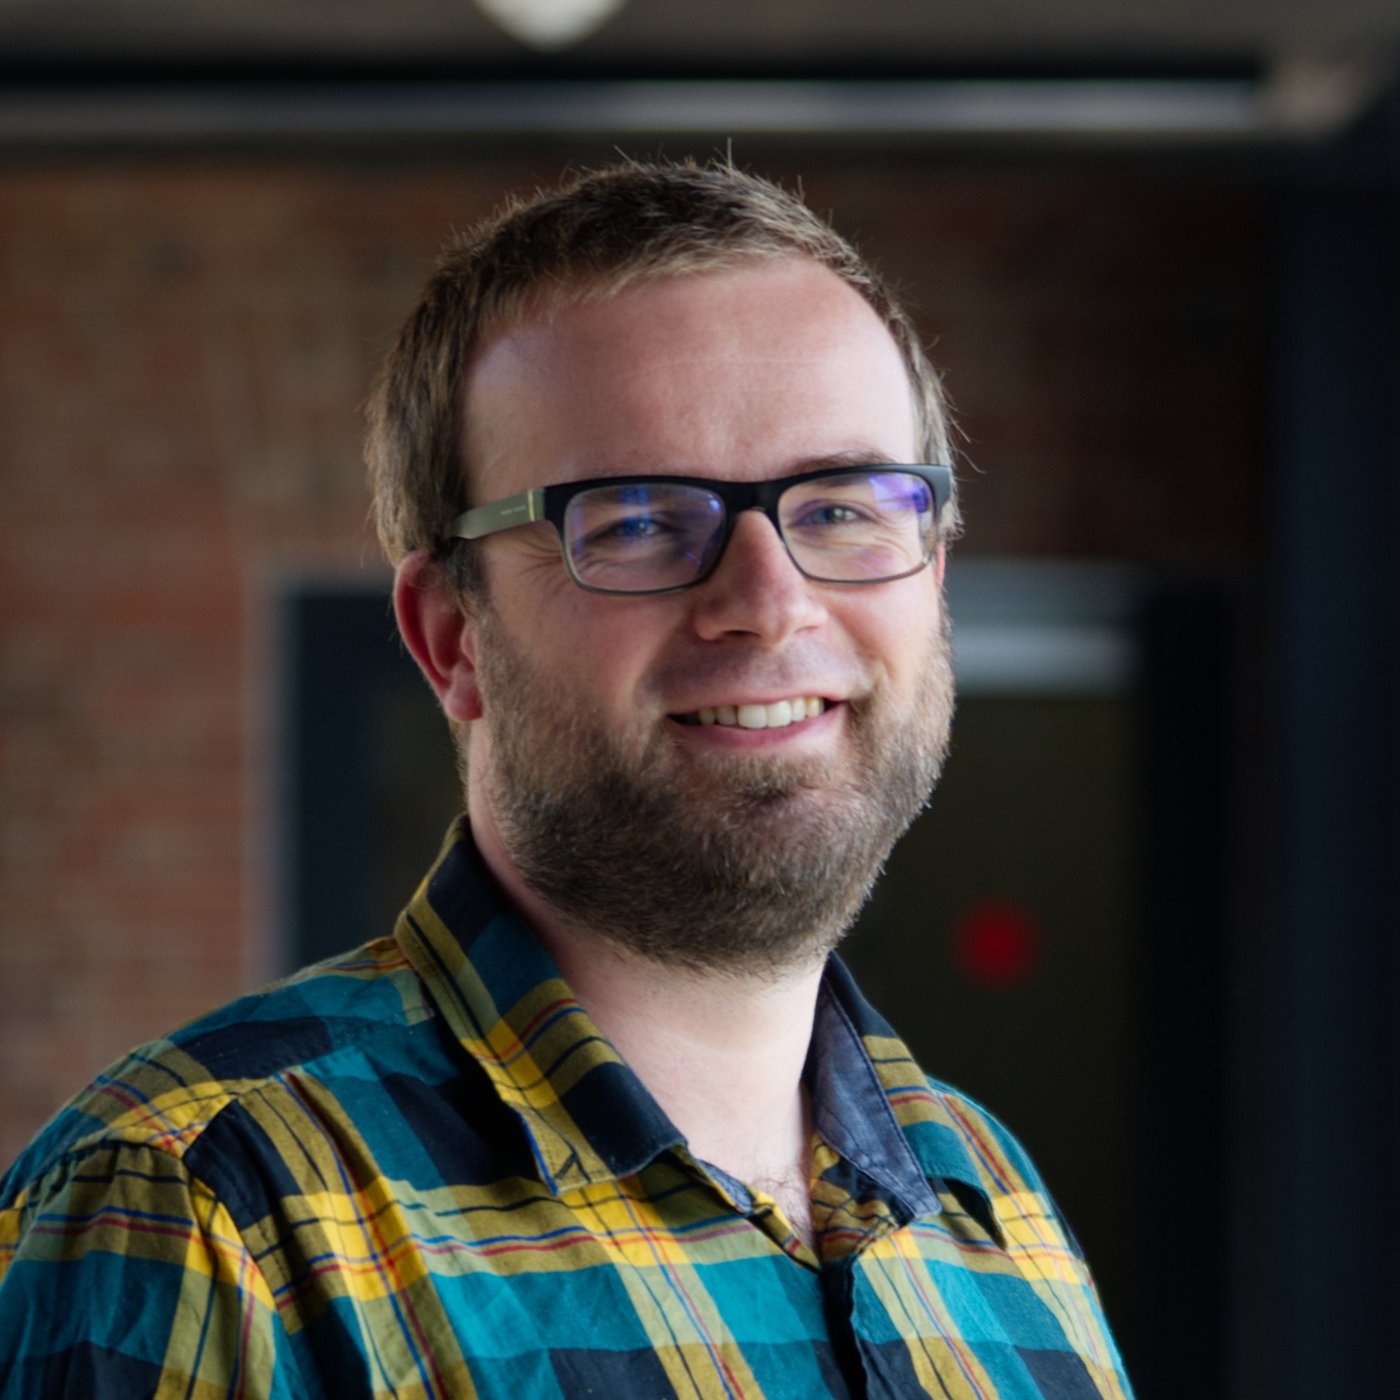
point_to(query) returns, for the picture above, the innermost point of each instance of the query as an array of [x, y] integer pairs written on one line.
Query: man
[[663, 474]]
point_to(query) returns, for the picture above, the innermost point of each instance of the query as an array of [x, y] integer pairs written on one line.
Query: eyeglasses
[[659, 534]]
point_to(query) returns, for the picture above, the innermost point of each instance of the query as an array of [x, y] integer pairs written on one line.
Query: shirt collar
[[587, 1115], [875, 1105]]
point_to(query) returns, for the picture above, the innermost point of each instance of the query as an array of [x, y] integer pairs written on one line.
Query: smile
[[777, 715]]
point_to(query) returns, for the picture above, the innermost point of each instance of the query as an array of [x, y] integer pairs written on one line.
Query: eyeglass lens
[[635, 537]]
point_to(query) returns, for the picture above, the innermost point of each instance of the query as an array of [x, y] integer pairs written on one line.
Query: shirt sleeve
[[123, 1276]]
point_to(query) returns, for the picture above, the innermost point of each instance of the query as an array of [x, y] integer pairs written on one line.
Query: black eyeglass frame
[[551, 503]]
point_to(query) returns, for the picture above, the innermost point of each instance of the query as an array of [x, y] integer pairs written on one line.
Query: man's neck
[[723, 1055]]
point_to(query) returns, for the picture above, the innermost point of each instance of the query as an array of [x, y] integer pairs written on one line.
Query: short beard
[[749, 866]]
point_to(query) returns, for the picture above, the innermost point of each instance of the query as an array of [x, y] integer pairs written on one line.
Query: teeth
[[778, 715]]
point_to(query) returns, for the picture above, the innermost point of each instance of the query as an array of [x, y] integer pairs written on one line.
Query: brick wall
[[184, 346]]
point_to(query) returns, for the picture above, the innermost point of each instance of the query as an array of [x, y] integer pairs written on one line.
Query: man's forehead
[[655, 369], [572, 305]]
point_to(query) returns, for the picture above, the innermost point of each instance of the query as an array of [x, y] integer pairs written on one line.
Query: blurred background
[[1150, 916]]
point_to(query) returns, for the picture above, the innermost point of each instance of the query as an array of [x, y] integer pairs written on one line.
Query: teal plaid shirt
[[418, 1170]]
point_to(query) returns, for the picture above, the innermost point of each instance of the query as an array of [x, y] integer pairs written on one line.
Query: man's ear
[[440, 634]]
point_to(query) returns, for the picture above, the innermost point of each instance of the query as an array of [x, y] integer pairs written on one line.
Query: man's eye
[[637, 527], [827, 513], [627, 530]]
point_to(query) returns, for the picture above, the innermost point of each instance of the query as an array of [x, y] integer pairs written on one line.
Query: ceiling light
[[550, 24]]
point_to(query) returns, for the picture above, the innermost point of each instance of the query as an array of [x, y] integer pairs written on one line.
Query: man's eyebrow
[[853, 457]]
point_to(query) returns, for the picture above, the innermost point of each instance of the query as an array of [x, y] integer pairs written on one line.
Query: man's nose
[[756, 590]]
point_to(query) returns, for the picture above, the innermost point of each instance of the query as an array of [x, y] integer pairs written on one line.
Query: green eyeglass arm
[[499, 515]]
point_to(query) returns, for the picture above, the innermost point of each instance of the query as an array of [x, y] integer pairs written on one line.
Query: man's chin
[[760, 779]]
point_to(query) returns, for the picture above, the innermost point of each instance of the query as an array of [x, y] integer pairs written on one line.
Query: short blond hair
[[593, 236]]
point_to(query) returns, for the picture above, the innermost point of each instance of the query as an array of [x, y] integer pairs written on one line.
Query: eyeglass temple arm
[[942, 482], [499, 515]]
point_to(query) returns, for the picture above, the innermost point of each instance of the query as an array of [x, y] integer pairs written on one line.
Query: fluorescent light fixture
[[1189, 111]]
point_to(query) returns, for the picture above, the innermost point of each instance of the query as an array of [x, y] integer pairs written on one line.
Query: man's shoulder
[[958, 1140], [995, 1151], [167, 1094]]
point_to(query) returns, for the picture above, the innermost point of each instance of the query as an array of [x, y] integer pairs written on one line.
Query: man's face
[[710, 844]]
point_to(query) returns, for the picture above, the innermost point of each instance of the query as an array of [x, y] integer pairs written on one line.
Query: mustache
[[809, 671]]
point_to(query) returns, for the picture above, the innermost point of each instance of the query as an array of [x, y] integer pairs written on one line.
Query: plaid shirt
[[418, 1170]]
